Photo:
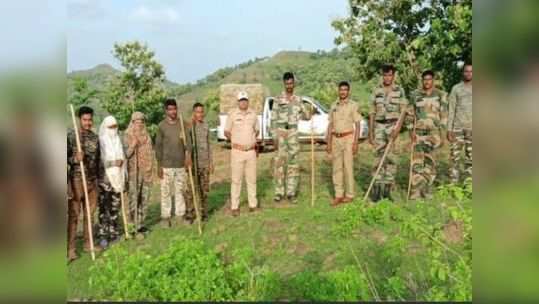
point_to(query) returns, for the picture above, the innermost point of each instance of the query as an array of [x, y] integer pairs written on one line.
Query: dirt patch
[[378, 236], [453, 232], [273, 225], [220, 248], [284, 205], [302, 249], [329, 262]]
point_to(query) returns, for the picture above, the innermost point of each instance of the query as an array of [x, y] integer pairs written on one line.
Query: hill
[[317, 74]]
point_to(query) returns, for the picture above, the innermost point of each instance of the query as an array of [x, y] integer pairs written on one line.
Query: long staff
[[388, 147], [84, 185], [124, 216], [137, 196], [312, 162], [190, 172], [411, 162]]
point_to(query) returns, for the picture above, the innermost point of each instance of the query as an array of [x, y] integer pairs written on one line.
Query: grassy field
[[302, 248]]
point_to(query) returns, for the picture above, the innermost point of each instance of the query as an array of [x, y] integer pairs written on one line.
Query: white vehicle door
[[318, 121]]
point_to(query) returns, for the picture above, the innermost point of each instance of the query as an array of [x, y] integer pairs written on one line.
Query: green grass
[[300, 244]]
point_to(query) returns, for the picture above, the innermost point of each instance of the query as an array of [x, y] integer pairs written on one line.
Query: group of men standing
[[427, 114], [108, 160], [113, 165]]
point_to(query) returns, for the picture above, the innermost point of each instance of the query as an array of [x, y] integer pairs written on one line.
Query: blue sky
[[194, 38]]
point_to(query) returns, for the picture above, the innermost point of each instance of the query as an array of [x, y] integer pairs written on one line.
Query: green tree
[[82, 93], [140, 86], [412, 34]]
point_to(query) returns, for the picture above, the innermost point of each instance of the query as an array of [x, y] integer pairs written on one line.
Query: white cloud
[[155, 16]]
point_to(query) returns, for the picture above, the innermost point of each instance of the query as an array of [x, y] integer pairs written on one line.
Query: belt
[[287, 126], [243, 147], [387, 120], [343, 134], [423, 132]]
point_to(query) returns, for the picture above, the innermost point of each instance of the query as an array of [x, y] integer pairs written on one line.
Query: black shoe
[[387, 192], [375, 193], [292, 198], [278, 198]]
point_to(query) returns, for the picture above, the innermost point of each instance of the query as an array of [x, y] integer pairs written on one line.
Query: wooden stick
[[388, 147], [132, 99], [124, 216], [411, 163], [84, 186], [190, 172], [312, 162]]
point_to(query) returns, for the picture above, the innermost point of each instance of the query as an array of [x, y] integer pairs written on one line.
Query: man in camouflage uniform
[[460, 126], [91, 157], [387, 103], [140, 156], [429, 105], [288, 109], [198, 134], [343, 133]]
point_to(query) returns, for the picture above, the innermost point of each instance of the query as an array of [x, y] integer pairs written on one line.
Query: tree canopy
[[413, 35]]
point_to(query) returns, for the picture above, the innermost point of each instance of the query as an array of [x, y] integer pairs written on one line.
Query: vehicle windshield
[[318, 104]]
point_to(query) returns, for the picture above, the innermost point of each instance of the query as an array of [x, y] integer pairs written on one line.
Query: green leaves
[[186, 271], [138, 88], [381, 31]]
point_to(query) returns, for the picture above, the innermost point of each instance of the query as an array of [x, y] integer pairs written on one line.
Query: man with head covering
[[139, 154], [111, 181]]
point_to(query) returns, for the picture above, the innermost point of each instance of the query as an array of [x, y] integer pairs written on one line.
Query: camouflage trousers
[[285, 162], [382, 132], [178, 177], [110, 226], [424, 164], [139, 195], [463, 142], [202, 188]]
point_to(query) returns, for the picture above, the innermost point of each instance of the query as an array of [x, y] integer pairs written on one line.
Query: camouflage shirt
[[460, 107], [202, 141], [286, 114], [387, 105], [90, 146], [430, 110]]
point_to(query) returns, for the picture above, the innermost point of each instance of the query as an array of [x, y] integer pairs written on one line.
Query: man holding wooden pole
[[83, 156], [173, 157]]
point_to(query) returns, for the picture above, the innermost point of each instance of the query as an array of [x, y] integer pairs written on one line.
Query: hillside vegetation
[[317, 76]]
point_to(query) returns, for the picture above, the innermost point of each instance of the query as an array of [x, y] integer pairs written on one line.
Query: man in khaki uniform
[[343, 131], [242, 129]]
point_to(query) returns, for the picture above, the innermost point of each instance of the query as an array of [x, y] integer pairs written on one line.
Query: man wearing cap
[[242, 129]]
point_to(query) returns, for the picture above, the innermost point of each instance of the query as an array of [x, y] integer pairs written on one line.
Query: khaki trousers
[[343, 166], [243, 163]]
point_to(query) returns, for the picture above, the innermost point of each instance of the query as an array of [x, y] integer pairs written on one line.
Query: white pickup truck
[[318, 123]]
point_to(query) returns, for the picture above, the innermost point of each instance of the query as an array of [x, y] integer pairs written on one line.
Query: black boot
[[375, 193], [387, 192]]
